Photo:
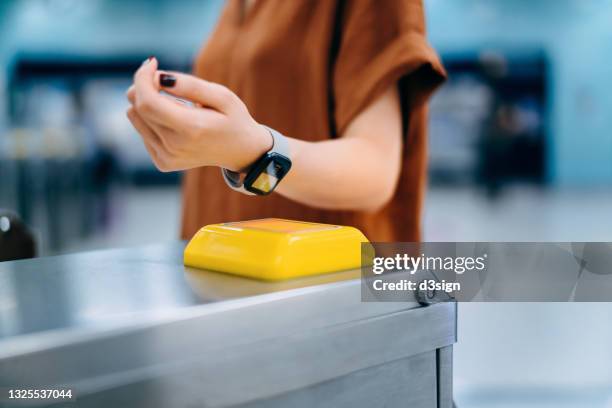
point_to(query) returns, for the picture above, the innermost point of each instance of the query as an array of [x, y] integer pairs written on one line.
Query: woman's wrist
[[256, 142]]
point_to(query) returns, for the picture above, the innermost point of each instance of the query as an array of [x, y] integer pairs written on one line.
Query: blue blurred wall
[[106, 27], [174, 29], [577, 37]]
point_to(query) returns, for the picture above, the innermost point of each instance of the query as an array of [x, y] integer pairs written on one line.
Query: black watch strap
[[235, 180]]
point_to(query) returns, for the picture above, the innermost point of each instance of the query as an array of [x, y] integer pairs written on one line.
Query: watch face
[[265, 175]]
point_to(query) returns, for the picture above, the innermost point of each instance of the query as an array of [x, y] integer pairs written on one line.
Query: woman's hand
[[216, 131]]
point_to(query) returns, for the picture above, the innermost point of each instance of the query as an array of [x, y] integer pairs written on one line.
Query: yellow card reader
[[274, 249]]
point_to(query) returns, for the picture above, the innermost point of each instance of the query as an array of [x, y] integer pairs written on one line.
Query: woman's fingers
[[151, 140], [131, 94], [154, 128], [148, 134], [207, 94], [151, 105], [144, 79]]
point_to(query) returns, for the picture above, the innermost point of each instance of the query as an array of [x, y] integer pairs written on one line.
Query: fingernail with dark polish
[[167, 80], [151, 58]]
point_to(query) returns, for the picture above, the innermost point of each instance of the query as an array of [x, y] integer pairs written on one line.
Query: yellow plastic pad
[[274, 249]]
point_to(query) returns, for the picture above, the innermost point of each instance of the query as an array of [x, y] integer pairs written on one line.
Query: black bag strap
[[334, 50]]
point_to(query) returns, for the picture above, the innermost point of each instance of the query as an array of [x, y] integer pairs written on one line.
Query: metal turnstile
[[135, 328]]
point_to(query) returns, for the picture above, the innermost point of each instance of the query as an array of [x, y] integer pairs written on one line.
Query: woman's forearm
[[344, 174], [359, 170]]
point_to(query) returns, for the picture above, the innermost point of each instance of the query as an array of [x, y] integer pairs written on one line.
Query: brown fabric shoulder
[[307, 68]]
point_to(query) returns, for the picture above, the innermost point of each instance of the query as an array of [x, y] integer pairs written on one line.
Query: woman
[[345, 81]]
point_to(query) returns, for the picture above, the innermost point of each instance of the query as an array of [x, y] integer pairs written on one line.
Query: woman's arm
[[358, 171]]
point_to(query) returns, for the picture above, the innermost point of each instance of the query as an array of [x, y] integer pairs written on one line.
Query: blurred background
[[520, 150]]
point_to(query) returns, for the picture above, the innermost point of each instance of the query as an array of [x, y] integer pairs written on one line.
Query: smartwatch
[[264, 175]]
